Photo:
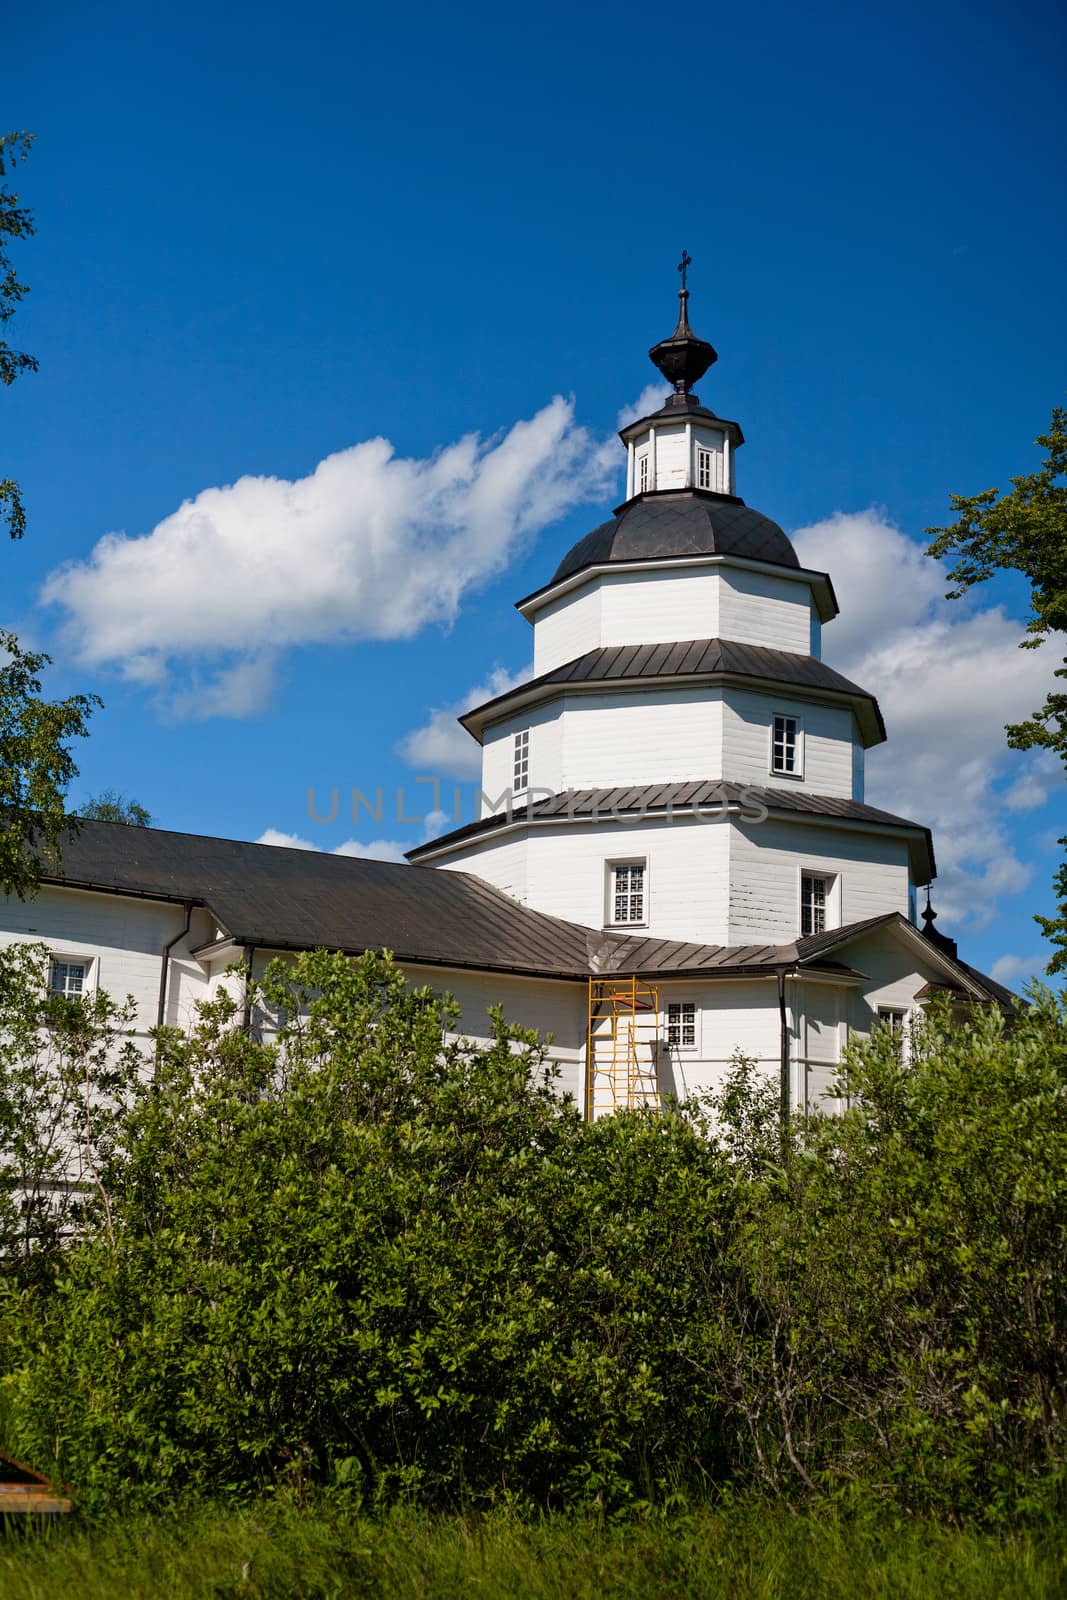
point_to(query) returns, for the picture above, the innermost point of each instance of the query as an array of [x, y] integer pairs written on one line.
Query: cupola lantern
[[683, 445]]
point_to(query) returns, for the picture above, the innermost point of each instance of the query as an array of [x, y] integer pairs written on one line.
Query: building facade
[[674, 864]]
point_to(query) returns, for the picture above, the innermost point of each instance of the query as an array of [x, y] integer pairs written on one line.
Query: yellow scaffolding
[[622, 1048]]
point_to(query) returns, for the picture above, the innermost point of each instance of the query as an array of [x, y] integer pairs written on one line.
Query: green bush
[[402, 1268]]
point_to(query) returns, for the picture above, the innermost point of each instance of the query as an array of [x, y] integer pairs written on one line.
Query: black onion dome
[[683, 522]]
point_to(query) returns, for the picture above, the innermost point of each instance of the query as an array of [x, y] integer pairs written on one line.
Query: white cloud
[[948, 676], [368, 546], [651, 398], [374, 850], [1015, 971], [441, 746]]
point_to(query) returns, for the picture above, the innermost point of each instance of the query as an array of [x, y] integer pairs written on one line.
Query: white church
[[675, 862]]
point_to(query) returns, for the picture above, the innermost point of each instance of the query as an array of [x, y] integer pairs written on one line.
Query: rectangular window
[[521, 774], [642, 474], [628, 892], [67, 978], [814, 894], [705, 469], [784, 741], [893, 1018], [682, 1024]]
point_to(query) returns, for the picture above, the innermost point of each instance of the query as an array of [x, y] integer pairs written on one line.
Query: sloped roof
[[686, 659], [283, 899], [677, 798]]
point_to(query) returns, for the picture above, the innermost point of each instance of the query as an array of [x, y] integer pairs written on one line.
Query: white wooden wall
[[766, 861], [611, 737], [828, 736], [671, 603], [122, 938]]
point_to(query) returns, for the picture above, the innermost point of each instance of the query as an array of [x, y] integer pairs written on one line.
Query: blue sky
[[267, 235]]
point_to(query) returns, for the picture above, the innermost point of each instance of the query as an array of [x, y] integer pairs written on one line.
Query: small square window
[[682, 1024], [785, 735], [67, 978], [521, 765], [627, 892], [814, 898]]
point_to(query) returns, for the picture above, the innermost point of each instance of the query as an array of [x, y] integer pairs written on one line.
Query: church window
[[785, 745], [642, 474], [814, 895], [67, 978], [521, 778], [682, 1024], [627, 891], [705, 470]]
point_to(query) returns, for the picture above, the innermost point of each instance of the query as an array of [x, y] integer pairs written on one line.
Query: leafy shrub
[[373, 1257]]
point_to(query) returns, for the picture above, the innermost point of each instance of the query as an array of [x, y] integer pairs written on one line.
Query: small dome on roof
[[684, 522]]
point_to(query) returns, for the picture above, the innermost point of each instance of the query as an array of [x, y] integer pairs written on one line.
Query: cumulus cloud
[[374, 850], [369, 546], [1015, 971], [948, 676], [440, 746], [651, 398]]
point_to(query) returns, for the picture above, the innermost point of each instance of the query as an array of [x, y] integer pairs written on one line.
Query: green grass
[[750, 1551]]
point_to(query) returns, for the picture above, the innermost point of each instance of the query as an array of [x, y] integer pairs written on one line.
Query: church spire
[[683, 358]]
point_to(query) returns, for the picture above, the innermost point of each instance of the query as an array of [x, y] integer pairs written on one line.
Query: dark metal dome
[[683, 522]]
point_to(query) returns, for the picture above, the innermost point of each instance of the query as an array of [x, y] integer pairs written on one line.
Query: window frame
[[797, 770], [830, 902], [611, 868], [69, 958], [706, 455], [520, 761], [681, 1003], [643, 472]]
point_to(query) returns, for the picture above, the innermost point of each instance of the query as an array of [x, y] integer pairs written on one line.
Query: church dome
[[685, 522]]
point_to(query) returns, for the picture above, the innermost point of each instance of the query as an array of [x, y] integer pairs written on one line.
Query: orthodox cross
[[686, 261]]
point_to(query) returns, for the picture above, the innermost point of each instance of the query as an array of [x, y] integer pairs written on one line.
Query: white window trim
[[520, 756], [682, 1000], [77, 958], [833, 897], [643, 472], [609, 890], [797, 775]]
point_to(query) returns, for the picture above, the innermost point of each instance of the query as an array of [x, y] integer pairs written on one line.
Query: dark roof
[[690, 658], [680, 522], [277, 898], [818, 945], [282, 899], [681, 797]]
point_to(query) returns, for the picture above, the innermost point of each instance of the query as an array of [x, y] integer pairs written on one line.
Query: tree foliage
[[361, 1254], [36, 765], [1025, 531], [15, 223], [111, 806]]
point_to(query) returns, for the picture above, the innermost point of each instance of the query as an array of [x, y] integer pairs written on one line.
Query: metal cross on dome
[[686, 261]]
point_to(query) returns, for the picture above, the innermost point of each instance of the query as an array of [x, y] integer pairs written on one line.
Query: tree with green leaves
[[15, 223], [36, 765], [1024, 531], [111, 806]]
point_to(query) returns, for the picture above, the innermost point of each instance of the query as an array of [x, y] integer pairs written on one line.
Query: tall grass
[[752, 1550]]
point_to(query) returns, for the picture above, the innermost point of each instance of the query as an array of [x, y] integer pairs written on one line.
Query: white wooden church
[[675, 861]]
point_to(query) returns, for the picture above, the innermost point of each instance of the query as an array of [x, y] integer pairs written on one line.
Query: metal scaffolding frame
[[622, 1046]]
